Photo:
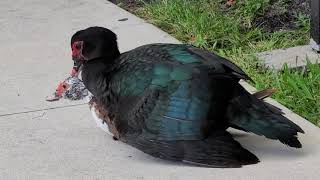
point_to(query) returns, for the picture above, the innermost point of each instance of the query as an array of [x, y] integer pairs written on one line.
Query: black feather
[[218, 150], [255, 115]]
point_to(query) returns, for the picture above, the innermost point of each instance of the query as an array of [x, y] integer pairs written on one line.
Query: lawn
[[238, 31]]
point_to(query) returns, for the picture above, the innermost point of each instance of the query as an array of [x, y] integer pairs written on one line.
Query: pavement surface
[[294, 57], [59, 140]]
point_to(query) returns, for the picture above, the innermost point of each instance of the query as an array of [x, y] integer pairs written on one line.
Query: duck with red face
[[175, 101]]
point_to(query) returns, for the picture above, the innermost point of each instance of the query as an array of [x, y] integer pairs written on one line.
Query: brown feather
[[103, 114], [265, 93]]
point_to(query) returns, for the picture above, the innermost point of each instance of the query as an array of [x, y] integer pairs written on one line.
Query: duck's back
[[176, 101], [169, 92]]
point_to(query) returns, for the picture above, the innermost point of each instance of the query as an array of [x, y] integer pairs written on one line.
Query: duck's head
[[93, 43]]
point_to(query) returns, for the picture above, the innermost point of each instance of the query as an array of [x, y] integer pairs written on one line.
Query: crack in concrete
[[38, 110]]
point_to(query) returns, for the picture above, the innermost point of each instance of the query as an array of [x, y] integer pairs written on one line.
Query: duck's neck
[[96, 74]]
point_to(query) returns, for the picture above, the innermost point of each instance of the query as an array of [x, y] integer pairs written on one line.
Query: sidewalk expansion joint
[[39, 110]]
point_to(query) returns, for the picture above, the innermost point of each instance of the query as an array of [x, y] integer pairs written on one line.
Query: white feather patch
[[99, 122]]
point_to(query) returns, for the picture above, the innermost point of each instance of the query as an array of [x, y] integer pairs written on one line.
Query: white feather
[[76, 91], [99, 122]]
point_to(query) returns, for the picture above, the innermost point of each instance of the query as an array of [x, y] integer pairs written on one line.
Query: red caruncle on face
[[77, 49]]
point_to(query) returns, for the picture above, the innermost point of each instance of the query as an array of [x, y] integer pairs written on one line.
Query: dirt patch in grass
[[282, 15], [130, 5], [279, 15]]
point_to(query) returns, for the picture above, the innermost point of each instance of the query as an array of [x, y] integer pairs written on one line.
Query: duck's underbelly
[[100, 123], [97, 116], [101, 117]]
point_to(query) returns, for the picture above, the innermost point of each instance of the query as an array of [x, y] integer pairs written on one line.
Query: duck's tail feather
[[254, 115], [219, 150], [265, 93]]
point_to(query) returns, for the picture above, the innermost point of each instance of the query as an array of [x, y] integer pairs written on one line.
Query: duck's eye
[[77, 46]]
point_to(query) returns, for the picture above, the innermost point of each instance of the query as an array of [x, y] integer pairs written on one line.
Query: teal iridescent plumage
[[180, 54], [183, 103]]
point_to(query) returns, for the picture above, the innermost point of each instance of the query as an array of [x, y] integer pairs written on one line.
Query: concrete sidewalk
[[41, 140]]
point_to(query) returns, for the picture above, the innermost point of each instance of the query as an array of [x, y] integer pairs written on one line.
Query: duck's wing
[[161, 103], [171, 91]]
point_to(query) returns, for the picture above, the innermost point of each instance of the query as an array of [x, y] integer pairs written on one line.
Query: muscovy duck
[[175, 101]]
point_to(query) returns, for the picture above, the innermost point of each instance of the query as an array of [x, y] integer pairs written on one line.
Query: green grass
[[300, 91], [231, 34]]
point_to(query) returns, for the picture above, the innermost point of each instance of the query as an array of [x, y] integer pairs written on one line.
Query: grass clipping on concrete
[[241, 30]]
